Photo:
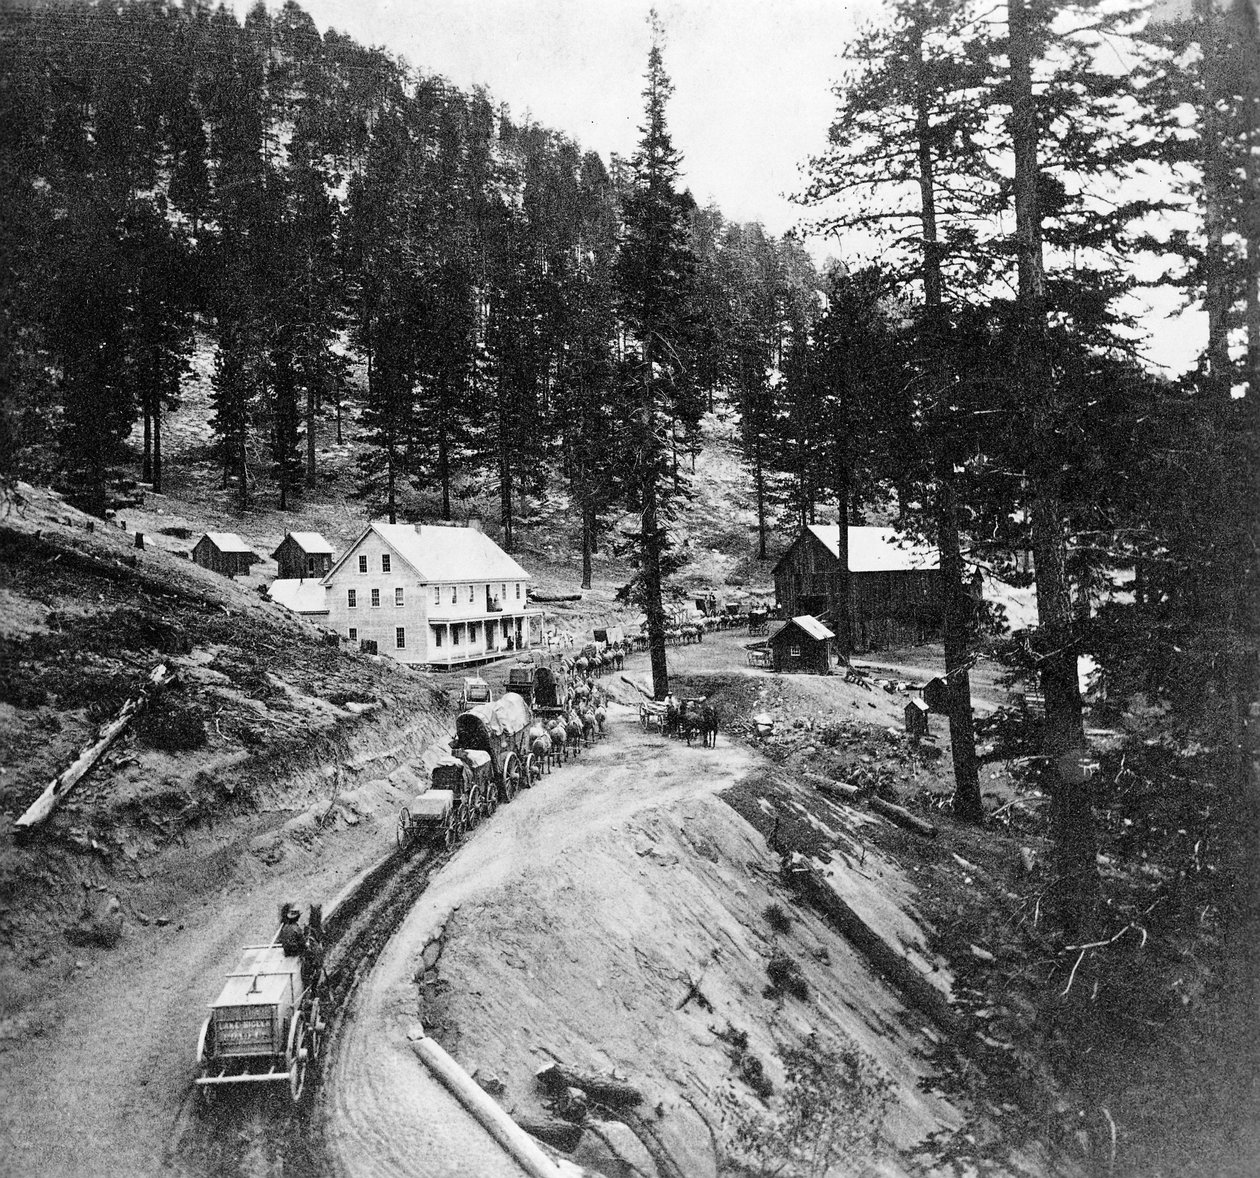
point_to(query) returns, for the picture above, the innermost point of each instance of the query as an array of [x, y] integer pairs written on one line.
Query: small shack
[[224, 552], [303, 555], [803, 643], [305, 597]]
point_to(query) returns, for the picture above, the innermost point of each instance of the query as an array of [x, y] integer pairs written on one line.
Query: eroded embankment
[[620, 922]]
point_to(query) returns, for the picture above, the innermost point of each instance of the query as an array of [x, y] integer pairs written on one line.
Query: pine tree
[[655, 275]]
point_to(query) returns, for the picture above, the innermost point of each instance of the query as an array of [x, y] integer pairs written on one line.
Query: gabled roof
[[302, 596], [312, 543], [444, 554], [873, 550], [227, 542], [809, 624]]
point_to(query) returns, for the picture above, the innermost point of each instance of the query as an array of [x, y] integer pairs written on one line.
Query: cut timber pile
[[62, 784]]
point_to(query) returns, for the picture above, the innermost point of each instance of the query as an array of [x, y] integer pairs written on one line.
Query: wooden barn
[[302, 555], [804, 644], [224, 552], [894, 585]]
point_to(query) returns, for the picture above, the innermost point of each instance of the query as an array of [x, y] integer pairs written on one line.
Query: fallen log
[[64, 782], [903, 817], [836, 789], [913, 987], [555, 1079], [563, 1135]]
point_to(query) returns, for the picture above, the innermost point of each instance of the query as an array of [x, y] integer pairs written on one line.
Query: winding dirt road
[[383, 1114]]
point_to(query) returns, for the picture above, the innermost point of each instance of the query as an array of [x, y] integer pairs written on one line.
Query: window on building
[[352, 599], [794, 652], [437, 636], [353, 634], [518, 590], [472, 596], [472, 632], [456, 634], [384, 562], [310, 564], [454, 594], [398, 596], [400, 638], [363, 564], [376, 598], [437, 594]]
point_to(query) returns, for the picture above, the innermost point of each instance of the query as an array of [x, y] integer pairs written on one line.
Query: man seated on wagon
[[299, 942]]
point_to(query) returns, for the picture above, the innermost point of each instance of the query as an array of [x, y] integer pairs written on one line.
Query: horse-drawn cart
[[500, 730], [552, 696], [264, 1027], [652, 715], [475, 691], [433, 815]]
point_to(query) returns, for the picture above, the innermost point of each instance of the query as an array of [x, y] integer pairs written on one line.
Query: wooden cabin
[[301, 556], [224, 552], [804, 644], [894, 585]]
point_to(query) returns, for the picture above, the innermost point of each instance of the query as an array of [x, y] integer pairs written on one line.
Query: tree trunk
[[311, 388], [844, 583], [759, 479], [157, 444], [1072, 808], [651, 545], [444, 452], [146, 465], [588, 541], [962, 736]]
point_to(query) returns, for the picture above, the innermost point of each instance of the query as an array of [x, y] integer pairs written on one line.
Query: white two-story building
[[429, 594]]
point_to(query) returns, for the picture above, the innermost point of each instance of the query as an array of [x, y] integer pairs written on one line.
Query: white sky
[[752, 88]]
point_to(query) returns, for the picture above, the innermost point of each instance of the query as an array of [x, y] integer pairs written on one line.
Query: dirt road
[[384, 1115]]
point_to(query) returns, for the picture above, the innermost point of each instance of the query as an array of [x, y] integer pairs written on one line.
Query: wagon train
[[490, 760], [265, 1026]]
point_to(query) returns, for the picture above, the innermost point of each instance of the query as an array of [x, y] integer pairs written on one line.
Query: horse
[[588, 728], [600, 717], [573, 728], [559, 736], [541, 748], [708, 726]]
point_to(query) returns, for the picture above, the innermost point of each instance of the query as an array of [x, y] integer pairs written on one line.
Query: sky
[[751, 77], [752, 90]]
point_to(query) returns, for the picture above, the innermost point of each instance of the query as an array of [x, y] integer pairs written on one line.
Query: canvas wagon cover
[[509, 714]]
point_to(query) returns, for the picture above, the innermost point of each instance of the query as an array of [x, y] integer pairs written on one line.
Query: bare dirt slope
[[613, 918]]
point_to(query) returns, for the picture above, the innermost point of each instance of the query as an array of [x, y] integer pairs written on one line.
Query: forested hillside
[[336, 228]]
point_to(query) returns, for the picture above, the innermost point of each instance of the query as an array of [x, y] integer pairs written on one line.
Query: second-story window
[[454, 594], [363, 564], [398, 596], [437, 594], [471, 593], [376, 598], [384, 562], [352, 599], [518, 590]]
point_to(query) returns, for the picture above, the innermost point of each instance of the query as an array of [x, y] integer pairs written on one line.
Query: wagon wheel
[[315, 1027], [491, 796], [402, 832], [645, 717], [203, 1060], [533, 770], [296, 1056], [511, 776], [448, 831]]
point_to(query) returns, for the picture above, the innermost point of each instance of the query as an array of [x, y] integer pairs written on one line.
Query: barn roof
[[301, 596], [876, 550], [809, 624], [311, 543], [443, 553], [227, 542]]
